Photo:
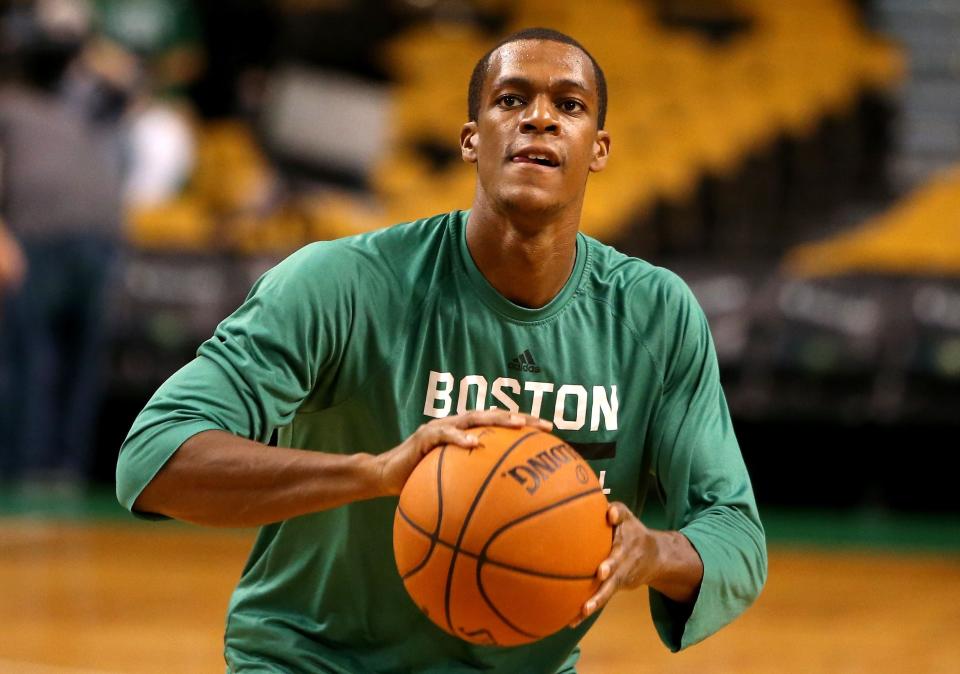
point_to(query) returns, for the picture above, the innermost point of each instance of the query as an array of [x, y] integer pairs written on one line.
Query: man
[[60, 198], [467, 318]]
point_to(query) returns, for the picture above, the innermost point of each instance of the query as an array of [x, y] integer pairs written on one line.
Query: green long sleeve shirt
[[350, 345]]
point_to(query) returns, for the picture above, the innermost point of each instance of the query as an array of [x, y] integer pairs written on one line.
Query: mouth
[[536, 156]]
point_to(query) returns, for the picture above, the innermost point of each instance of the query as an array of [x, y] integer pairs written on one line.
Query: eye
[[510, 101], [570, 105]]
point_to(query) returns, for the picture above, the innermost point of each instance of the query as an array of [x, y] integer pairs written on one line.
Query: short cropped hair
[[483, 65]]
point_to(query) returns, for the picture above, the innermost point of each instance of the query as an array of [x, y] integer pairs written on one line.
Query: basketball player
[[367, 352]]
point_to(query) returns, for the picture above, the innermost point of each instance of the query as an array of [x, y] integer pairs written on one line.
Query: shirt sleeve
[[708, 495], [253, 375]]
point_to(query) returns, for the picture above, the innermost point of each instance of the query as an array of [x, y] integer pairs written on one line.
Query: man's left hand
[[633, 559], [664, 560]]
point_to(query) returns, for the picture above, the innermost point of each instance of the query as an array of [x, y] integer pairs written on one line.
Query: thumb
[[616, 513]]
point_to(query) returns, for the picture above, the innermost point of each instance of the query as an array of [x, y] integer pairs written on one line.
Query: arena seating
[[683, 108], [917, 237]]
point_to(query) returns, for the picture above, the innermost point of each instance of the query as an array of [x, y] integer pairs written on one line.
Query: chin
[[530, 200]]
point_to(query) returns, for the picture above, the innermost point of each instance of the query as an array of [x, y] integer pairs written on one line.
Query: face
[[535, 139]]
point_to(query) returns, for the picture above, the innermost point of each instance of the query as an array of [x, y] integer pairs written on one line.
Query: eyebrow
[[524, 83]]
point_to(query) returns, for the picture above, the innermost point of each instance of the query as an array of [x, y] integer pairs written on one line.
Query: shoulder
[[389, 258], [408, 248], [634, 287], [655, 304], [391, 248]]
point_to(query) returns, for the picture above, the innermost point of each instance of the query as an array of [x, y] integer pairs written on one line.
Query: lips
[[541, 156]]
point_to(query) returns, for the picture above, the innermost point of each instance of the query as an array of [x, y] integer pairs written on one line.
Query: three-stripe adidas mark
[[524, 362]]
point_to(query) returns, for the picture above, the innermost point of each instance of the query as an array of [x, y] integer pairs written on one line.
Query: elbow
[[145, 502]]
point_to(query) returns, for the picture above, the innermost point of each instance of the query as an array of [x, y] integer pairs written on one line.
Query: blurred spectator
[[165, 34], [61, 201], [161, 152], [162, 39]]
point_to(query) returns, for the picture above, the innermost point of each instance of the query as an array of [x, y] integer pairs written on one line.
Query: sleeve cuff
[[145, 453], [682, 625]]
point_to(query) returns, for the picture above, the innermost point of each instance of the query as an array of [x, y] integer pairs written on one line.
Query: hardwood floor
[[94, 598]]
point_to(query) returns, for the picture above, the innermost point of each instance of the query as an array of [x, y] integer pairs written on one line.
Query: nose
[[539, 117]]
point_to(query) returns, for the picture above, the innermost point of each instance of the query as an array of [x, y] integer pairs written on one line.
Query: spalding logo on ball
[[500, 544]]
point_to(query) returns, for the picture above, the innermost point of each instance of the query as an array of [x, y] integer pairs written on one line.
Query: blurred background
[[797, 163]]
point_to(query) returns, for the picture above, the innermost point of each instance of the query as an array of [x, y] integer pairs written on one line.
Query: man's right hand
[[396, 464]]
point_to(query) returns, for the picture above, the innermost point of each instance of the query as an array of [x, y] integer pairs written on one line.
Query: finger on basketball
[[542, 424], [487, 418], [499, 418], [609, 566], [597, 601], [617, 513], [603, 595], [450, 435], [502, 418]]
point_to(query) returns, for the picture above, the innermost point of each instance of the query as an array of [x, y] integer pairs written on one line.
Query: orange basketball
[[500, 544]]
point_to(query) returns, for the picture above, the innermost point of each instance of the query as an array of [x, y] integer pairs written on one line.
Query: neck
[[527, 258]]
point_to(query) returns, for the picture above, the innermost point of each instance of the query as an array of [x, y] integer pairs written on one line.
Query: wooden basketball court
[[111, 597]]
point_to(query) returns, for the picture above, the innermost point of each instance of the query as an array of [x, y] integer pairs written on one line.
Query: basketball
[[500, 544]]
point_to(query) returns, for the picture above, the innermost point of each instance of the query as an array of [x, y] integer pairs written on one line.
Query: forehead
[[543, 62]]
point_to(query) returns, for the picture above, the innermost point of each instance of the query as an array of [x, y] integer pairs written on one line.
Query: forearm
[[679, 569], [219, 479]]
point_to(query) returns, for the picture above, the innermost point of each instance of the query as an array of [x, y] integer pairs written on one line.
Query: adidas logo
[[524, 362]]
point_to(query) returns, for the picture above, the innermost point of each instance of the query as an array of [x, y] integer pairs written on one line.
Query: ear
[[468, 142], [601, 151]]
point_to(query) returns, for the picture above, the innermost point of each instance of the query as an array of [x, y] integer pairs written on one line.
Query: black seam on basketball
[[531, 572], [492, 562], [484, 560], [466, 523], [487, 633], [436, 534], [535, 513], [472, 555], [502, 617]]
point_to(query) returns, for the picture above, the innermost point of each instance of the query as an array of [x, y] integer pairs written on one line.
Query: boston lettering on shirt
[[446, 395]]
